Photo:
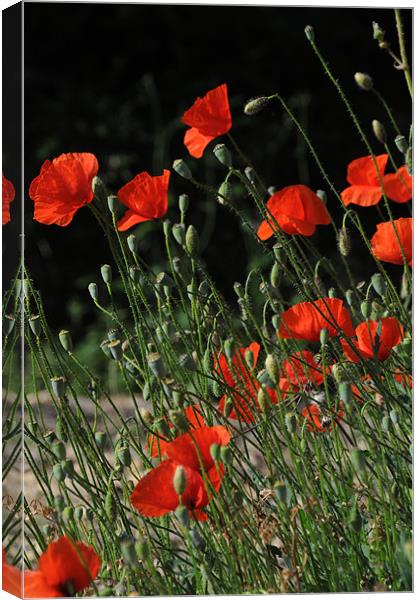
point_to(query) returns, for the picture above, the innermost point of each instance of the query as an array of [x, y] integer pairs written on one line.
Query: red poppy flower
[[8, 195], [305, 320], [244, 386], [365, 188], [208, 118], [299, 370], [154, 495], [385, 245], [295, 210], [192, 449], [64, 569], [158, 446], [319, 422], [145, 197], [62, 187], [374, 339]]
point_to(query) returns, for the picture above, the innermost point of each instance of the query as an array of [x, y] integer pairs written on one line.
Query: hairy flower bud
[[377, 32], [106, 272], [379, 284], [309, 31], [182, 168], [223, 155], [225, 193], [344, 242], [93, 291], [275, 276], [364, 81], [178, 232], [272, 367], [379, 131], [255, 105], [192, 240], [179, 480], [401, 144]]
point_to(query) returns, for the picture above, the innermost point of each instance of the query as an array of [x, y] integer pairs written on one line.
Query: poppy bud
[[349, 295], [331, 292], [401, 144], [179, 420], [58, 386], [93, 291], [68, 514], [179, 480], [155, 362], [291, 422], [112, 203], [238, 288], [226, 455], [58, 472], [275, 275], [324, 336], [255, 105], [215, 451], [58, 449], [192, 240], [65, 339], [309, 31], [197, 540], [131, 242], [225, 193], [35, 324], [364, 81], [228, 408], [378, 33], [379, 131], [250, 174], [99, 189], [264, 400], [100, 439], [183, 203], [345, 393], [182, 168], [271, 365], [124, 456], [344, 242], [115, 348], [178, 232], [110, 505], [8, 324], [223, 155], [106, 272], [366, 309], [379, 284], [68, 467], [182, 513], [164, 279]]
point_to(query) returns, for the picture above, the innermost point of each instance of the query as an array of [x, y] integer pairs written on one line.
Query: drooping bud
[[264, 400], [379, 284], [255, 105], [344, 242], [131, 243], [35, 324], [156, 364], [192, 240], [65, 339], [349, 295], [401, 144], [225, 193], [379, 131], [223, 155], [93, 291], [364, 81], [309, 31], [179, 480], [106, 272], [275, 275], [182, 168]]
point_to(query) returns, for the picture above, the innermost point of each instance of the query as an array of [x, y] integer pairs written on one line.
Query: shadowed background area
[[115, 79]]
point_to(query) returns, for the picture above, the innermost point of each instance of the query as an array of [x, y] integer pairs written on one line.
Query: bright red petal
[[210, 115], [130, 219], [146, 196], [11, 578], [398, 186], [385, 245], [196, 142], [37, 587], [193, 447], [362, 195], [8, 195], [362, 171]]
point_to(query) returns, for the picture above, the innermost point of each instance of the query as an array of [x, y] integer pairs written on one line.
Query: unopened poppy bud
[[156, 364], [179, 480], [183, 203], [250, 174], [68, 467], [8, 324], [275, 275], [197, 540], [93, 291], [223, 155], [182, 513], [272, 367], [58, 449], [324, 336], [110, 505], [228, 408], [264, 400], [255, 105], [166, 227], [98, 188], [225, 193], [344, 242], [179, 420], [349, 295], [115, 347], [379, 131], [291, 422], [401, 144], [182, 168], [106, 272], [163, 427], [112, 203], [164, 279], [58, 472], [68, 514], [100, 439], [65, 338], [131, 242], [345, 393], [192, 240], [178, 232], [238, 288], [309, 31], [366, 309], [58, 386], [358, 460], [331, 292], [377, 32], [379, 284], [35, 325], [364, 81]]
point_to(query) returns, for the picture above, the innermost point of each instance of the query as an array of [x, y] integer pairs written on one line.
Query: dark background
[[115, 79]]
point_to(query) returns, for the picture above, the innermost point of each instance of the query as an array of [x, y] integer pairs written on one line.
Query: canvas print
[[207, 299]]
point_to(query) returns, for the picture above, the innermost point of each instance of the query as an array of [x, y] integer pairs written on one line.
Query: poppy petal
[[185, 448], [398, 186], [210, 114], [8, 195], [362, 171], [37, 587], [196, 142], [11, 578], [385, 245], [130, 219], [362, 195]]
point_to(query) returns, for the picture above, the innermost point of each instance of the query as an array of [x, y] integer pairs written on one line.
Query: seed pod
[[35, 325], [58, 449], [179, 480], [272, 367], [131, 242], [225, 193], [8, 324], [291, 422], [182, 168], [124, 456], [61, 430], [309, 31], [345, 393], [166, 227], [215, 451], [93, 291], [178, 232], [99, 190], [255, 105], [364, 81], [223, 155], [156, 364], [68, 467], [401, 144], [264, 400], [115, 348], [66, 341], [183, 203], [344, 242], [275, 275], [112, 203], [379, 131], [58, 472], [366, 309], [192, 240], [58, 386], [106, 272], [379, 284]]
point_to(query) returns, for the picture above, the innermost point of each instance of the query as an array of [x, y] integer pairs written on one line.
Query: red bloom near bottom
[[385, 245]]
